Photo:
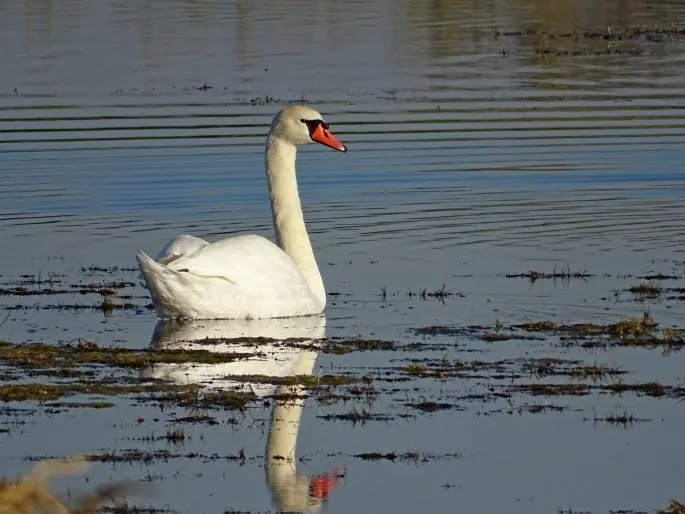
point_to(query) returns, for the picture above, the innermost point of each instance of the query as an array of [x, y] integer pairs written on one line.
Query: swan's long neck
[[291, 232]]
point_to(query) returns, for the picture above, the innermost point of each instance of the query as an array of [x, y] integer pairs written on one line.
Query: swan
[[248, 276]]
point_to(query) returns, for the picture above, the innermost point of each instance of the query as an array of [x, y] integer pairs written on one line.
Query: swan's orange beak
[[321, 134]]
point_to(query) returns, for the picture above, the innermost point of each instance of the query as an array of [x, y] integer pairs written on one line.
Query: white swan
[[248, 276]]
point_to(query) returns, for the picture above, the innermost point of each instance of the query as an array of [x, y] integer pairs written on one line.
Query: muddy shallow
[[502, 249]]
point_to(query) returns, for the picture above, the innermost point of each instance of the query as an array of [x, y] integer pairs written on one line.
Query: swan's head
[[300, 125]]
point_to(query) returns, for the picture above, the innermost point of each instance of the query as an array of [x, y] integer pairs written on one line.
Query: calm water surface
[[486, 138]]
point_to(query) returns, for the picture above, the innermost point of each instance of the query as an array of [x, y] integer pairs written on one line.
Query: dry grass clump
[[31, 494]]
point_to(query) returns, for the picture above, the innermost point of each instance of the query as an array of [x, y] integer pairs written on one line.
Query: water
[[485, 139]]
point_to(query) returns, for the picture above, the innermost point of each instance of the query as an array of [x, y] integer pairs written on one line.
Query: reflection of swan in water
[[270, 359], [292, 492]]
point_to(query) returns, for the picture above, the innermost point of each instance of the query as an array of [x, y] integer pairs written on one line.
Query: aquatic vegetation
[[564, 275], [431, 406], [84, 353], [356, 416], [621, 418], [647, 289]]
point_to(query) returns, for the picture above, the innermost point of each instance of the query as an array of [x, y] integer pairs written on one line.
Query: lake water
[[485, 139]]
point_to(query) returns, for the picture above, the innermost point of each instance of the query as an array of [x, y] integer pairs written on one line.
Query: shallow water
[[486, 139]]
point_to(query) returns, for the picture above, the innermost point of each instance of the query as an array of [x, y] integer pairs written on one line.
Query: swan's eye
[[313, 124]]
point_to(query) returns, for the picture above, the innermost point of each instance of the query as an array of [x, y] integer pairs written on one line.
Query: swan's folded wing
[[178, 247], [251, 261]]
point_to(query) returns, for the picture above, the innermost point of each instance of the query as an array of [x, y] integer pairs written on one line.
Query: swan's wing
[[179, 246], [251, 261]]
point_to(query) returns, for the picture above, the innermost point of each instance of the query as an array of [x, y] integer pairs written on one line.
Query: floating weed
[[436, 330], [198, 418], [227, 400], [308, 381], [575, 369], [495, 335], [642, 33], [648, 289], [148, 457], [175, 435], [70, 355], [539, 326], [411, 456], [594, 372], [46, 392], [377, 456], [674, 335], [429, 406], [653, 389], [418, 370], [564, 275], [383, 292], [111, 270], [356, 416], [131, 455], [441, 294], [538, 408], [623, 419], [629, 332], [551, 389], [360, 345], [80, 405]]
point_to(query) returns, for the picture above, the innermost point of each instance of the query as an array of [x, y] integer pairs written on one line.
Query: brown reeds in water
[[30, 494]]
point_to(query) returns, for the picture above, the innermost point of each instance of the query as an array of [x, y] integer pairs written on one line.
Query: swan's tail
[[151, 272], [147, 264]]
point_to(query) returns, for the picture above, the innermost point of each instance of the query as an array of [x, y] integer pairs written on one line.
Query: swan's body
[[249, 276]]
